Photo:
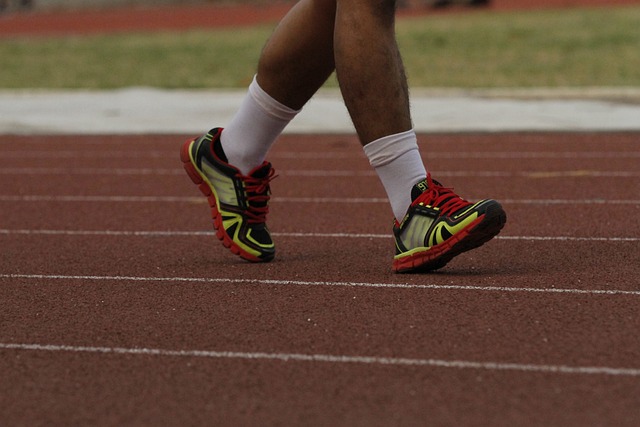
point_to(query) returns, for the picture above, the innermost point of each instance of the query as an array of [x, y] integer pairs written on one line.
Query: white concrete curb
[[148, 110]]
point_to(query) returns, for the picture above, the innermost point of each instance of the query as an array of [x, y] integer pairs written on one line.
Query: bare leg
[[298, 58], [357, 37], [370, 69]]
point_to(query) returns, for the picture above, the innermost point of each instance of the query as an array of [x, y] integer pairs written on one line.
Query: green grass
[[552, 48], [577, 47], [192, 59]]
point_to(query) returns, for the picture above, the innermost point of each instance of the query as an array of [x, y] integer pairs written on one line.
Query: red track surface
[[501, 347], [118, 307]]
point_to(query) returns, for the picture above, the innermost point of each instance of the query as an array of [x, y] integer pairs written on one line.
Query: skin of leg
[[370, 69], [357, 39], [298, 57]]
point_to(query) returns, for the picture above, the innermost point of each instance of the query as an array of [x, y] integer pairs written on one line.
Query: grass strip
[[551, 48]]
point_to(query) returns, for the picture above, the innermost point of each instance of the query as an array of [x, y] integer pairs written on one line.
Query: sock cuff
[[386, 149], [270, 105]]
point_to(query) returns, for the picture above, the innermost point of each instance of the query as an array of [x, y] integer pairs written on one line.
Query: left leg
[[298, 57], [295, 62]]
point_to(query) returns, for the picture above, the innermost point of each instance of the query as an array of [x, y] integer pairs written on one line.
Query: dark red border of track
[[107, 389], [206, 16]]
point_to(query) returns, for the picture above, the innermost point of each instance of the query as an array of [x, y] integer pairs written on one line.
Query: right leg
[[370, 69], [374, 86]]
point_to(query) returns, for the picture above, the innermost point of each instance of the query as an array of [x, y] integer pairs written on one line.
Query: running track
[[119, 307]]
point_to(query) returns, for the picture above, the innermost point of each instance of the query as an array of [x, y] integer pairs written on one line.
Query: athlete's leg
[[298, 57], [358, 38], [296, 60], [369, 68], [374, 87]]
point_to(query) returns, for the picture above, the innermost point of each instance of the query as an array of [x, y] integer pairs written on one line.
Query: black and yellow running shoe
[[440, 225], [239, 203]]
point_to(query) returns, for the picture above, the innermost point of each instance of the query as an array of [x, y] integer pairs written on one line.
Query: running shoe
[[440, 225], [239, 203]]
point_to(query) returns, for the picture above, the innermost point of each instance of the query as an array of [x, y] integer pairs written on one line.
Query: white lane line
[[469, 154], [569, 238], [279, 282], [91, 171], [580, 173], [330, 358], [134, 233], [169, 233], [174, 233], [109, 199], [373, 200], [83, 153], [569, 202], [533, 154], [348, 200]]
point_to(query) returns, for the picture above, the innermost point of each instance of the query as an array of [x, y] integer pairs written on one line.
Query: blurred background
[[196, 44], [25, 5]]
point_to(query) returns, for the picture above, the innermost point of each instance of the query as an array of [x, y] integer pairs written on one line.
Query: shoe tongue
[[418, 189], [261, 171]]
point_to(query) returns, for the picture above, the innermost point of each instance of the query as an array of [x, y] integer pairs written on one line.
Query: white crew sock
[[397, 162], [254, 128]]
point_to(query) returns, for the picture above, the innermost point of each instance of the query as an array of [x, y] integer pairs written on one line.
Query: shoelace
[[258, 197], [443, 197]]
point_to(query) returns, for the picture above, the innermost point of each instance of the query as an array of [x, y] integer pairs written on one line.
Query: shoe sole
[[201, 181], [476, 234]]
